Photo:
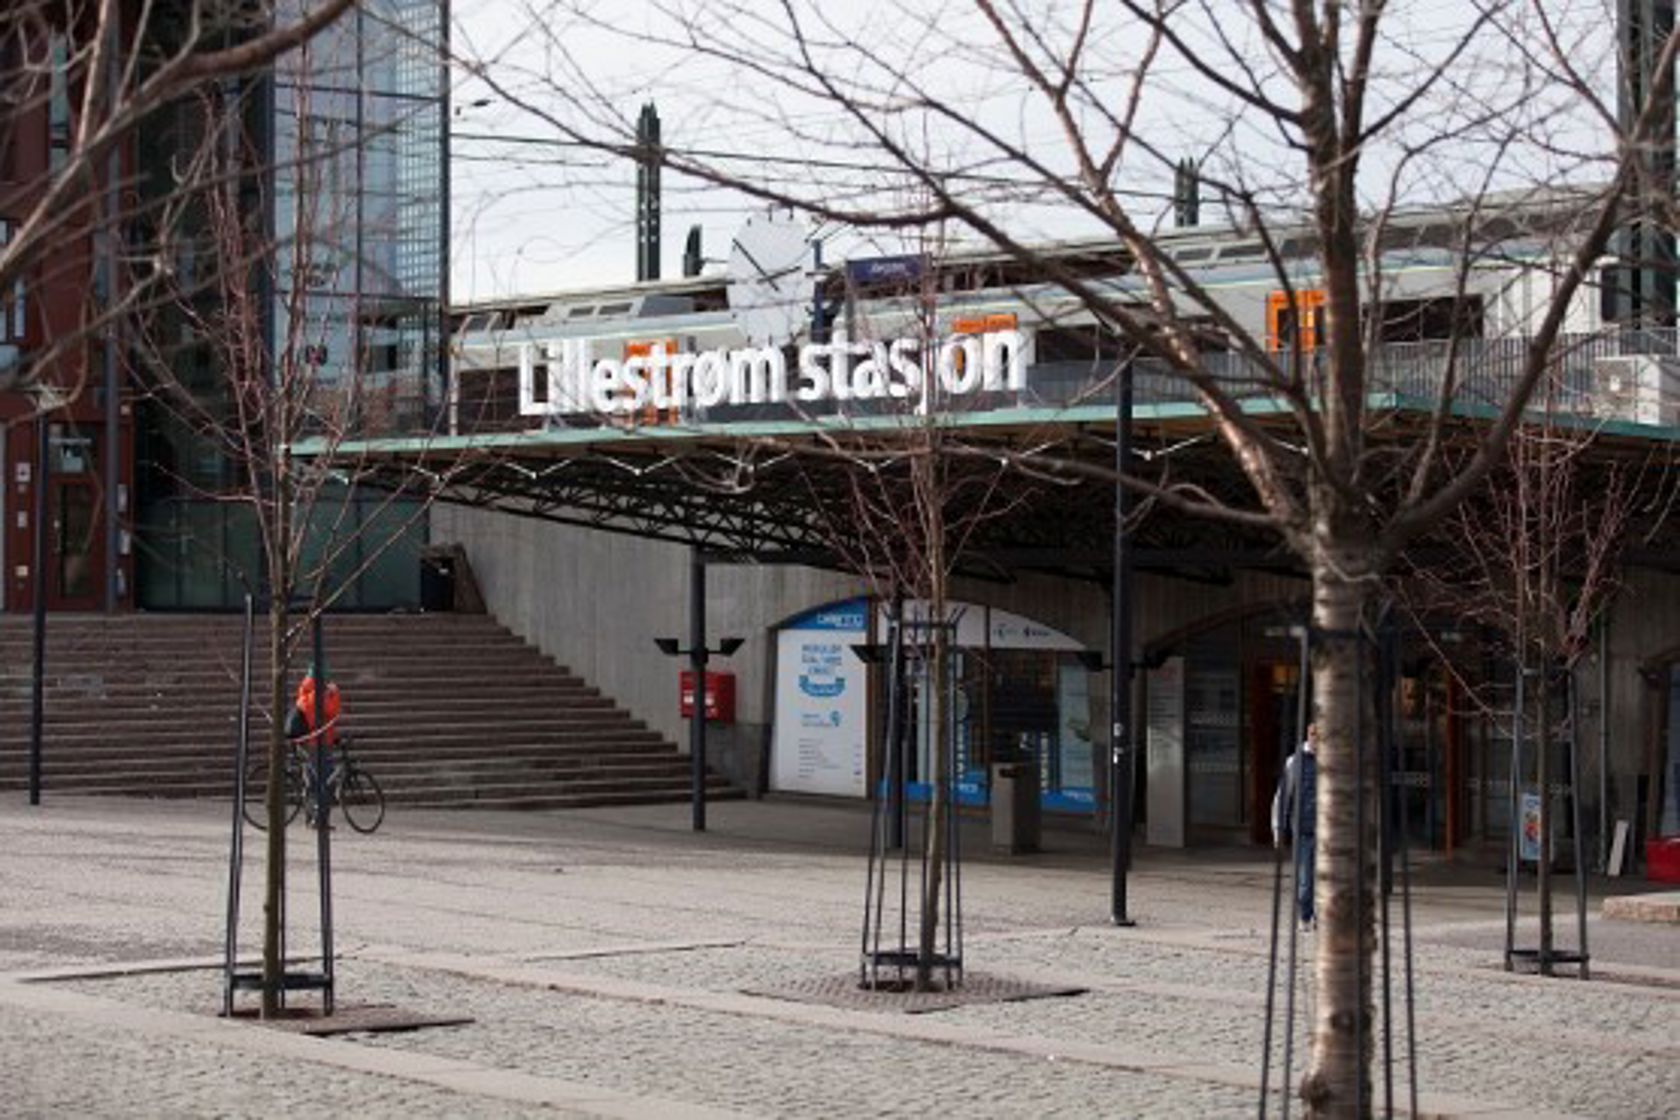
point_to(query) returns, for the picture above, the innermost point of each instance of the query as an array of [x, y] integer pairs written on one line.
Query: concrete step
[[157, 719], [444, 709]]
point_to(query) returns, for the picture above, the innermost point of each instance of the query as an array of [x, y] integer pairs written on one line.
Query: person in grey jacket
[[1294, 818]]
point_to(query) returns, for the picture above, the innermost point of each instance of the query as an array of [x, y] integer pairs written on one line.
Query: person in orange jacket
[[300, 723]]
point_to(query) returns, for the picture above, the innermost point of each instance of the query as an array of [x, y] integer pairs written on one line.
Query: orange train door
[[1284, 316]]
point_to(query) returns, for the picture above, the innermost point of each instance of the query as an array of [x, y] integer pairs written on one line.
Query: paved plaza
[[615, 964]]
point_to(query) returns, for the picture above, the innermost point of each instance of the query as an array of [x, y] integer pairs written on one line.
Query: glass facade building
[[348, 136]]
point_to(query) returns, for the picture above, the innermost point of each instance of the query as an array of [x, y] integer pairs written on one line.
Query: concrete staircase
[[446, 711]]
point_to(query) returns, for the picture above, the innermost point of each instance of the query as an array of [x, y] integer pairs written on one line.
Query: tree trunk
[[1338, 1082], [275, 807], [938, 779]]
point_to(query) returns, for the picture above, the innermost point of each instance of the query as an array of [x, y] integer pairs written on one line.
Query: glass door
[[75, 552]]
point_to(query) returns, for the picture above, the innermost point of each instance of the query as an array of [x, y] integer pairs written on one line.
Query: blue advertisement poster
[[822, 703]]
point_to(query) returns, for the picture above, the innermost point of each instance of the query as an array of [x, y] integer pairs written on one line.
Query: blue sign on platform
[[906, 269]]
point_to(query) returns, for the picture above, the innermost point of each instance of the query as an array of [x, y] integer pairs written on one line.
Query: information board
[[822, 703]]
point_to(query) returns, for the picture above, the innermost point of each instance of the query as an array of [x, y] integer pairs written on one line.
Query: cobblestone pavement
[[610, 959]]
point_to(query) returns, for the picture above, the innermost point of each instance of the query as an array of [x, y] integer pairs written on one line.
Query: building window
[[58, 104], [13, 314]]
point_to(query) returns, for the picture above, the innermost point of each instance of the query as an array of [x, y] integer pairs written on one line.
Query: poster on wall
[[822, 704], [1164, 754], [1071, 784], [1528, 840]]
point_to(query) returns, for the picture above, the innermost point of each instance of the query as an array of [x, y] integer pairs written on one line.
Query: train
[[989, 330]]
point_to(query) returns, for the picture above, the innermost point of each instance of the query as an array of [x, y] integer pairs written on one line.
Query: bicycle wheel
[[361, 799], [255, 805]]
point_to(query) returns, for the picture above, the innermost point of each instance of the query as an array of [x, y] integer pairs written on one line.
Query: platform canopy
[[1025, 478], [1022, 488]]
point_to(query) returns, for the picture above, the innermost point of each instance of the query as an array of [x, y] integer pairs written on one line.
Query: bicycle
[[355, 791]]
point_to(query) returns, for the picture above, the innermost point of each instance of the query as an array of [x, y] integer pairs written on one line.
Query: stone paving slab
[[603, 958], [467, 1086], [1661, 907]]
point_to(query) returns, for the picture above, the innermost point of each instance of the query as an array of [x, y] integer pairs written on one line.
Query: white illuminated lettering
[[813, 376], [757, 376], [959, 365], [682, 368], [633, 382], [603, 386], [869, 377], [905, 362], [904, 368], [710, 379]]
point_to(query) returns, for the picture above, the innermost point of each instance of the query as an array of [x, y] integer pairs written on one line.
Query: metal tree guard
[[1541, 958], [1377, 649], [883, 964], [320, 795]]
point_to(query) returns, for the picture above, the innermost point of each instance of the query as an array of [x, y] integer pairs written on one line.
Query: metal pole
[[108, 263], [1120, 699], [323, 812], [896, 706], [1514, 816], [819, 316], [1604, 744], [236, 855], [697, 665], [1575, 810], [37, 710]]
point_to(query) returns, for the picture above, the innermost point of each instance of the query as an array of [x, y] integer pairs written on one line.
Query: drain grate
[[977, 987]]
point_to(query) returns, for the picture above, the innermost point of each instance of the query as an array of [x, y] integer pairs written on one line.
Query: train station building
[[605, 446]]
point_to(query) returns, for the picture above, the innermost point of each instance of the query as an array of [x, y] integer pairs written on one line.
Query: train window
[[1497, 230], [1424, 320], [1440, 237], [1253, 250], [582, 312], [1191, 256], [609, 310], [1075, 344], [1394, 237], [1297, 322]]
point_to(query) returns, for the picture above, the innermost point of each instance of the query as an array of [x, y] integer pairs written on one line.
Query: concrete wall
[[594, 601]]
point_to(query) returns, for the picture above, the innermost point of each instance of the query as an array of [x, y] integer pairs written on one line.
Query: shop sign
[[575, 381]]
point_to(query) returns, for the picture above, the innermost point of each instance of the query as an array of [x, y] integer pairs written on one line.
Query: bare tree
[[277, 376], [1315, 128], [1535, 559]]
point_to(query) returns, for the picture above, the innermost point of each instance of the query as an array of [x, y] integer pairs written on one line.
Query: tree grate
[[844, 991], [365, 1018]]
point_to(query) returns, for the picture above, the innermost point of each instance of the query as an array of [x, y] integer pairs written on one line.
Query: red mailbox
[[720, 695]]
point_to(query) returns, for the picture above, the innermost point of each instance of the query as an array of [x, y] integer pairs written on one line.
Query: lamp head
[[727, 646], [667, 646], [1092, 659]]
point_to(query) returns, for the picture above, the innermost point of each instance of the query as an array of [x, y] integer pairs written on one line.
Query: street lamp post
[[1120, 697], [698, 655], [38, 570]]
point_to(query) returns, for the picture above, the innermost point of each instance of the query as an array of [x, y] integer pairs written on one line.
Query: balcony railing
[[1631, 376]]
